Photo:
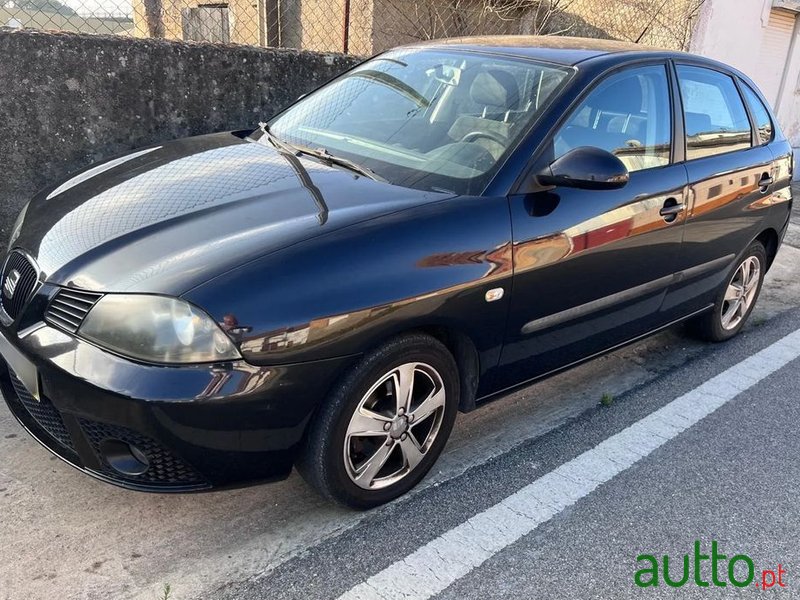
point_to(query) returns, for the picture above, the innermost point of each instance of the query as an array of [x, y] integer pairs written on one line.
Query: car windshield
[[422, 118]]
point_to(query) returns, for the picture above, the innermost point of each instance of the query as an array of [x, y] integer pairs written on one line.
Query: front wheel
[[385, 424], [736, 298]]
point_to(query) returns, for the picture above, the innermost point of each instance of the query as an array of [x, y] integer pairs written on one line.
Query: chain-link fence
[[360, 27]]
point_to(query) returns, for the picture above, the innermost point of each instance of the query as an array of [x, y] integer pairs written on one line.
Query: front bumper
[[193, 427]]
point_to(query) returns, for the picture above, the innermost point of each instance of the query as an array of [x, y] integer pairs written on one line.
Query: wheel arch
[[769, 239], [467, 360], [458, 343]]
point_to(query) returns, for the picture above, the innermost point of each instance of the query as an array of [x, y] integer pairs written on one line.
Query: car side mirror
[[586, 168]]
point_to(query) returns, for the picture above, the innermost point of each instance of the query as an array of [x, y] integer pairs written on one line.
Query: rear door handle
[[765, 182], [672, 208]]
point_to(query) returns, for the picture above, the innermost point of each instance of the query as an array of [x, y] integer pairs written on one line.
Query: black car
[[436, 226]]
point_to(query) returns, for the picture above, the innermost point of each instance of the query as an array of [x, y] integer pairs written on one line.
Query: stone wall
[[67, 100]]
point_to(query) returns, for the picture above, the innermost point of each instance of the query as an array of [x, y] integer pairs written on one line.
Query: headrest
[[495, 88], [622, 96]]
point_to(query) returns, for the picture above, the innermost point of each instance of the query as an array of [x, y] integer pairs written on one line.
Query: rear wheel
[[385, 424], [736, 298]]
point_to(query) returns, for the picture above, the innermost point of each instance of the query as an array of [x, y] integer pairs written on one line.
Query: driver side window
[[628, 114]]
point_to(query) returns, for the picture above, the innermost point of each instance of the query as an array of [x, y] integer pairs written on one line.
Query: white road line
[[444, 560]]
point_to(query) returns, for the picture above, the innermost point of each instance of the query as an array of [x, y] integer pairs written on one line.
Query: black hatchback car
[[436, 226]]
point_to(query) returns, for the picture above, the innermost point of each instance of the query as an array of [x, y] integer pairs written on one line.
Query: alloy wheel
[[394, 425], [741, 293]]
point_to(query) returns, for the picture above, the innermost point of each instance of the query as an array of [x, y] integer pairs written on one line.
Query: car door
[[730, 174], [591, 267]]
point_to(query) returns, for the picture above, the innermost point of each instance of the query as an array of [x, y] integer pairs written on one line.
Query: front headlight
[[156, 329]]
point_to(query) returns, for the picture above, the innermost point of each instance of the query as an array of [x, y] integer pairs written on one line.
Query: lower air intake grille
[[69, 308], [17, 283], [44, 413], [165, 469]]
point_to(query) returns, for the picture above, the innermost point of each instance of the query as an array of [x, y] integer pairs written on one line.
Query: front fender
[[344, 292]]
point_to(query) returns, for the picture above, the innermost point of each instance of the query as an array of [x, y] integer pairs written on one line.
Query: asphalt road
[[732, 477], [729, 477]]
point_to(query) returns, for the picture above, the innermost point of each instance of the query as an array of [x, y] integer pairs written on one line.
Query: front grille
[[17, 283], [44, 413], [165, 468], [69, 308]]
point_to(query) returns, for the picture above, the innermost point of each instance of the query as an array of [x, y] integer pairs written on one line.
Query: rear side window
[[715, 118], [760, 114], [628, 114]]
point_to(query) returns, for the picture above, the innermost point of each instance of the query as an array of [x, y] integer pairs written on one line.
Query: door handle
[[764, 183], [672, 208]]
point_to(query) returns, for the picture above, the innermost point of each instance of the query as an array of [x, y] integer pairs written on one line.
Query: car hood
[[167, 218]]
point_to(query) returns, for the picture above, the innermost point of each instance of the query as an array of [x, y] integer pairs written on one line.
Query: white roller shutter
[[774, 52]]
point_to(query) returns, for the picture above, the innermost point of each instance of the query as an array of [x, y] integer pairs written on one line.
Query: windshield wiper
[[321, 153], [324, 155], [276, 141]]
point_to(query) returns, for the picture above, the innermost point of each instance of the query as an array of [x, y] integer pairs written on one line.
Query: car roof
[[551, 48]]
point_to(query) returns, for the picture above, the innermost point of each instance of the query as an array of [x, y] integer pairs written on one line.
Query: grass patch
[[166, 592]]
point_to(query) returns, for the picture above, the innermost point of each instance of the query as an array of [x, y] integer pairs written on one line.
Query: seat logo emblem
[[11, 284]]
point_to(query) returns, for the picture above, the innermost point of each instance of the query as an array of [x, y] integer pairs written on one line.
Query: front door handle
[[672, 208], [764, 183]]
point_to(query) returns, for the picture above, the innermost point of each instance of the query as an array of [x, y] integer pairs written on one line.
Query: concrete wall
[[243, 20], [17, 18], [68, 99], [651, 22], [733, 32], [399, 22], [788, 103]]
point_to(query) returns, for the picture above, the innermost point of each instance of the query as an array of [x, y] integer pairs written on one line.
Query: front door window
[[628, 114]]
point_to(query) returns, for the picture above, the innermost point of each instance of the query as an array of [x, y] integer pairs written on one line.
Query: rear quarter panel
[[781, 197]]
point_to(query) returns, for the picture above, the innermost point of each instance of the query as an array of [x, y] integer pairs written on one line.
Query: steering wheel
[[474, 135]]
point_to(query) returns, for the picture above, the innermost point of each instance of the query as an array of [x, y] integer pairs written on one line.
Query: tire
[[719, 325], [364, 470]]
